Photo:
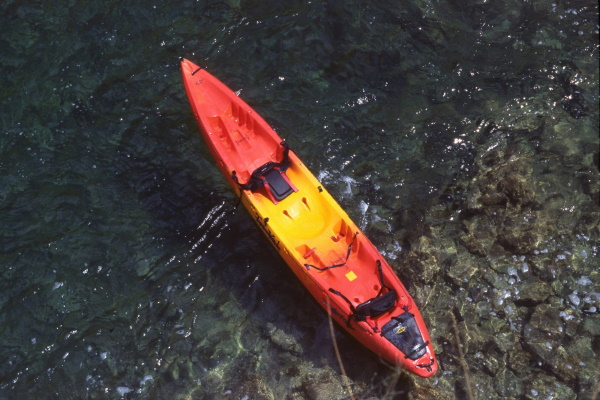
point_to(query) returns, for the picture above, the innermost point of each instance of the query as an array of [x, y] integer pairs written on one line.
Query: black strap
[[427, 366], [286, 152], [332, 290], [353, 315], [421, 347], [383, 285], [253, 183], [309, 266]]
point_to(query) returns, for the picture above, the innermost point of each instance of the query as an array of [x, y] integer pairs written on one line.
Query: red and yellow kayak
[[336, 262]]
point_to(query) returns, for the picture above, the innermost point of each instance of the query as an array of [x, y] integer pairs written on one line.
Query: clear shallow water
[[463, 139]]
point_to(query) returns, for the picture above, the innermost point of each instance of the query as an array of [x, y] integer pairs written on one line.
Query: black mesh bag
[[404, 333]]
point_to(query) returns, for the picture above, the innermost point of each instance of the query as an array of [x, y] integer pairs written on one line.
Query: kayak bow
[[333, 259]]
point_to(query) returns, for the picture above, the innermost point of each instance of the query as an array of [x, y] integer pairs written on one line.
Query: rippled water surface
[[462, 137]]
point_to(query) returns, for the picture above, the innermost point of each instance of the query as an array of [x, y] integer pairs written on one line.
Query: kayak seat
[[272, 177], [277, 184], [377, 305], [374, 307]]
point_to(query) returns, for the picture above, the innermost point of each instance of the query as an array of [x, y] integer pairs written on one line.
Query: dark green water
[[463, 138]]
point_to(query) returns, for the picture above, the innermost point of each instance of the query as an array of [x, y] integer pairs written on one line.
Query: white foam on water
[[584, 281], [349, 183], [363, 208], [123, 390], [575, 300], [146, 379]]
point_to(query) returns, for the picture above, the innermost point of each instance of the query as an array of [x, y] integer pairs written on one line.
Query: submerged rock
[[542, 386], [253, 387], [479, 235], [282, 339], [573, 363], [325, 387], [507, 385], [533, 291], [462, 270], [516, 188], [442, 388], [519, 235], [519, 361], [543, 332]]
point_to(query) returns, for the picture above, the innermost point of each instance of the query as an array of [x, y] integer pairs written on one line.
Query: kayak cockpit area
[[343, 262]]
